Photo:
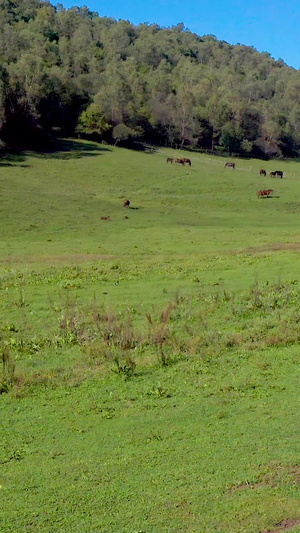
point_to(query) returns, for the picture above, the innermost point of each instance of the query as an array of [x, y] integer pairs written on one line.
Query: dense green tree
[[123, 134], [92, 122], [3, 91], [230, 139]]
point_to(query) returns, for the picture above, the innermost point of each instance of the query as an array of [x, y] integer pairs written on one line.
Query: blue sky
[[269, 26]]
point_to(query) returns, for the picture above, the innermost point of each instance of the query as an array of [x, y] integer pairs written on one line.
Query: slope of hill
[[149, 355]]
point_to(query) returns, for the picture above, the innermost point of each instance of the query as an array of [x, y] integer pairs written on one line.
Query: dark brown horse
[[186, 160], [230, 165], [262, 172], [273, 174], [279, 173], [126, 203]]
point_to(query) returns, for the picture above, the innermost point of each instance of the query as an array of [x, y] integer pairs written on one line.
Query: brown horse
[[262, 172], [230, 165], [273, 174], [126, 203], [264, 193], [180, 161]]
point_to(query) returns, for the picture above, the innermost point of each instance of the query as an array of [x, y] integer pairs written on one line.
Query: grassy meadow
[[150, 355]]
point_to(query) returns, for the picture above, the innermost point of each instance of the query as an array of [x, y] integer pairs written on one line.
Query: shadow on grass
[[70, 149], [268, 197], [10, 158], [138, 147], [5, 164], [56, 149]]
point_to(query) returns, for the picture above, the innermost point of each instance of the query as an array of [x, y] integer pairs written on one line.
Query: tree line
[[66, 72]]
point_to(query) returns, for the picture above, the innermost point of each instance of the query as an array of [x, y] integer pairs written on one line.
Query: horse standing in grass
[[229, 165], [180, 161], [265, 193], [262, 172]]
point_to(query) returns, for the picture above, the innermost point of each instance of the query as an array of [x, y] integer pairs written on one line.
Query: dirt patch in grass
[[276, 476], [273, 247], [57, 259], [287, 524]]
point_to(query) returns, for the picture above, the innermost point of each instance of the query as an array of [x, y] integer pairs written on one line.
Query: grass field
[[150, 362]]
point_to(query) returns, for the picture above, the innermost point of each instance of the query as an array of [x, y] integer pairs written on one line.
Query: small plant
[[161, 335], [21, 300], [7, 372], [115, 330], [72, 325], [126, 368]]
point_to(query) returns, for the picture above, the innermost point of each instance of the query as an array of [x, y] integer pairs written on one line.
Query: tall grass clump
[[7, 369], [103, 335], [113, 337], [164, 335]]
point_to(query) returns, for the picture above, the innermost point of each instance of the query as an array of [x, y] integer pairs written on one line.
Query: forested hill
[[71, 71]]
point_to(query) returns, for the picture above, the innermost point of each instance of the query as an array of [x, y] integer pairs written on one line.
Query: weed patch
[[208, 327], [7, 369]]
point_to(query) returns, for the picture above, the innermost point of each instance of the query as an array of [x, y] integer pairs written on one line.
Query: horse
[[126, 203], [180, 161], [264, 193], [273, 174], [279, 173], [262, 172], [105, 218], [170, 160], [186, 160], [230, 165]]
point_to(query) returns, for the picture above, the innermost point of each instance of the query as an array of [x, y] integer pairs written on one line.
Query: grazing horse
[[262, 172], [279, 173], [186, 160], [126, 203], [180, 161], [264, 193], [105, 218], [230, 165], [170, 159]]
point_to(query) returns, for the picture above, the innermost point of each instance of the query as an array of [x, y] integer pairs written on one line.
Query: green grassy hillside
[[150, 361]]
